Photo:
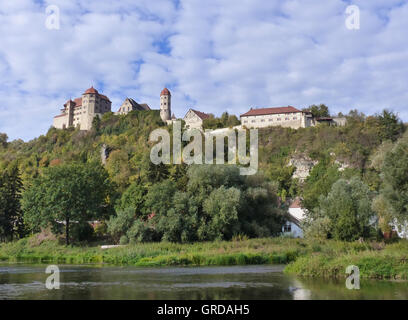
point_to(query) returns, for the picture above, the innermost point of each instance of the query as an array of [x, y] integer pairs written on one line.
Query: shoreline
[[323, 259]]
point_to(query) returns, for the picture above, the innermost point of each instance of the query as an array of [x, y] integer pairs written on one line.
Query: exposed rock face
[[342, 166], [303, 166], [104, 153]]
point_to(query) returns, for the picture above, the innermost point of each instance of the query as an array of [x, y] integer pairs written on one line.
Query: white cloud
[[213, 55]]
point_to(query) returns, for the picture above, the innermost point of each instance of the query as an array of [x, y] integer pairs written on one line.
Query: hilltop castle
[[81, 111]]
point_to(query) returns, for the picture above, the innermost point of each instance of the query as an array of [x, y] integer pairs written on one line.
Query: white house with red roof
[[80, 112], [194, 119], [297, 214], [282, 116]]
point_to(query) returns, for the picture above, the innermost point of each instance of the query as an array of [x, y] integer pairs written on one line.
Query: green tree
[[319, 182], [11, 218], [348, 206], [391, 127], [133, 198], [320, 110], [73, 193], [395, 180], [3, 140]]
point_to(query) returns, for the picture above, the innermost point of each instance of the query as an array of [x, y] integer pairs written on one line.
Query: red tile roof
[[297, 203], [200, 114], [264, 111], [91, 90], [60, 115], [78, 102], [165, 92]]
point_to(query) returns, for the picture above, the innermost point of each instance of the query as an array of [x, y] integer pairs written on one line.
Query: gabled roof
[[200, 114], [135, 105], [145, 106], [265, 111], [297, 203]]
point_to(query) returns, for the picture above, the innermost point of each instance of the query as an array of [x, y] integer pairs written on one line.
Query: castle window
[[294, 118], [270, 119], [253, 121], [262, 120]]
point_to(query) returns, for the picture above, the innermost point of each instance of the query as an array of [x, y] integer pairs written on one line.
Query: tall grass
[[303, 257]]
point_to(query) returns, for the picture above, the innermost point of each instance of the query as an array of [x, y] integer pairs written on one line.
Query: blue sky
[[214, 55]]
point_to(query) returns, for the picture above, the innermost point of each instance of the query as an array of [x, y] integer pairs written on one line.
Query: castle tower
[[165, 105]]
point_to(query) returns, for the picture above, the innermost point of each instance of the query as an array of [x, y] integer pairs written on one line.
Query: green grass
[[375, 262], [256, 251], [303, 257]]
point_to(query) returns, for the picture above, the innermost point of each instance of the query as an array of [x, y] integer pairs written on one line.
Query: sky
[[213, 55]]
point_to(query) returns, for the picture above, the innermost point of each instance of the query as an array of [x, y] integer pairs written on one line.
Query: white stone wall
[[125, 108], [296, 231], [193, 121], [60, 122], [293, 120]]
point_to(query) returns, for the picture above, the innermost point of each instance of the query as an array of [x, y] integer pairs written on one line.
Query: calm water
[[21, 281]]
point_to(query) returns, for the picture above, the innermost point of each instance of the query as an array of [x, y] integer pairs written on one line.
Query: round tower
[[165, 105]]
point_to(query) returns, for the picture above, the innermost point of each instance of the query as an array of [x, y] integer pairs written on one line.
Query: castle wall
[[291, 120], [60, 122]]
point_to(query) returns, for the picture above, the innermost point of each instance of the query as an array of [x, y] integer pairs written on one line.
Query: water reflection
[[237, 282]]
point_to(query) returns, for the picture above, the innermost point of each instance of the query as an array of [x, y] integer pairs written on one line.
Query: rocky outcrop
[[105, 150], [303, 166]]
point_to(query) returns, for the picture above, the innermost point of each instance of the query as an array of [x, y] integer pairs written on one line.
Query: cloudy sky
[[213, 55]]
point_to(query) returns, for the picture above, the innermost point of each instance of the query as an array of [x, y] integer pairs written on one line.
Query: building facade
[[194, 119], [80, 112], [293, 226], [283, 116], [130, 105]]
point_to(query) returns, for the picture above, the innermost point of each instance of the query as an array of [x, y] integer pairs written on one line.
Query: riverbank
[[303, 257]]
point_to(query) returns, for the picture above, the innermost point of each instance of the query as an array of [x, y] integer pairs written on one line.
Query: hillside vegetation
[[144, 202]]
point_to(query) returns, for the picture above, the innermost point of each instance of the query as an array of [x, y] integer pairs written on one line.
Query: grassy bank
[[377, 261], [256, 251], [305, 258]]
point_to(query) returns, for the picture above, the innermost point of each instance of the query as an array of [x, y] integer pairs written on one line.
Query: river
[[23, 281]]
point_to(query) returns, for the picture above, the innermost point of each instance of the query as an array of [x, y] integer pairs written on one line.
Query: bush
[[124, 240]]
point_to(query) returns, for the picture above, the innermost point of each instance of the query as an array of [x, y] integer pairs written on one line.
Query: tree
[[319, 182], [220, 218], [11, 218], [74, 193], [348, 206], [320, 110], [391, 127], [96, 124], [3, 140], [133, 198], [395, 181]]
